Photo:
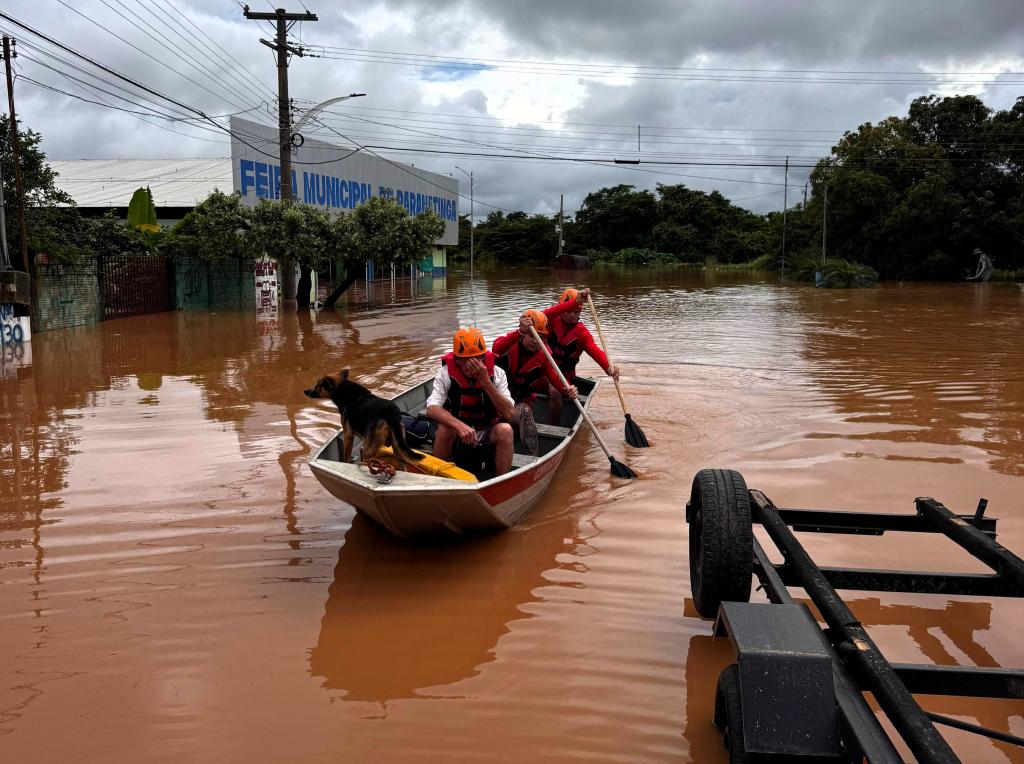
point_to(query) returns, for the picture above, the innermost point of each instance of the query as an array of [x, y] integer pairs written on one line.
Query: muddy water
[[175, 585]]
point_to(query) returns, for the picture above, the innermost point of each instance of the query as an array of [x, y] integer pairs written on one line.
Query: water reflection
[[162, 460], [959, 622], [923, 366], [401, 621]]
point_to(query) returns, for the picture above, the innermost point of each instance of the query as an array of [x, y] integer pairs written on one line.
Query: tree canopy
[[913, 197]]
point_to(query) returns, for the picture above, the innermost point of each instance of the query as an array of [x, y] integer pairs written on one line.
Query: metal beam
[[871, 523], [962, 531], [962, 681], [854, 645], [868, 580]]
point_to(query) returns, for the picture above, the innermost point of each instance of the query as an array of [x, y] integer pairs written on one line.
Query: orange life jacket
[[467, 400]]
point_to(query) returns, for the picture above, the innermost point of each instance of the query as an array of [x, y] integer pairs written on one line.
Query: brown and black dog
[[378, 420]]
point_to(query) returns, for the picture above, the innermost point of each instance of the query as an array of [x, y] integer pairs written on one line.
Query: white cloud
[[740, 117]]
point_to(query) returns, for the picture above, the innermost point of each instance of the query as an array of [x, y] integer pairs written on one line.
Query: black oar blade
[[621, 470], [634, 435]]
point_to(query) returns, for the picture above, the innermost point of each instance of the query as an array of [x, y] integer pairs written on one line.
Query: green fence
[[71, 295]]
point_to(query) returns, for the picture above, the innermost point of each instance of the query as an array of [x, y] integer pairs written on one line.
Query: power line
[[632, 72], [140, 50], [659, 68], [203, 51], [406, 170]]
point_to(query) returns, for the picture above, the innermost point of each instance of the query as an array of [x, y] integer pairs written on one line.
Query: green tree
[[216, 227], [615, 218], [381, 230], [516, 237], [52, 223]]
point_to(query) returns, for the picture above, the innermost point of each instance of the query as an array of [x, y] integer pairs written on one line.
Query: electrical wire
[[202, 51], [659, 68], [633, 73], [140, 50]]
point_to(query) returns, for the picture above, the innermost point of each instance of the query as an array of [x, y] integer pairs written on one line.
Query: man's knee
[[501, 433]]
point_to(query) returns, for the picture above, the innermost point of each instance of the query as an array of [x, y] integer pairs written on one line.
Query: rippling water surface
[[174, 584]]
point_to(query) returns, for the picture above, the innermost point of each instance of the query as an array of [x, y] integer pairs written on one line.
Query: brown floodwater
[[175, 585]]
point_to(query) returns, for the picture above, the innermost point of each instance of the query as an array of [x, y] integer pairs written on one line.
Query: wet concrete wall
[[72, 295]]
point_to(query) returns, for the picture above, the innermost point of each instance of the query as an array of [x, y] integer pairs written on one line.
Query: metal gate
[[134, 284]]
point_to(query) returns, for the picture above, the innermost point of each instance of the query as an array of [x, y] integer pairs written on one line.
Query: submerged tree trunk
[[287, 276], [349, 280], [305, 283]]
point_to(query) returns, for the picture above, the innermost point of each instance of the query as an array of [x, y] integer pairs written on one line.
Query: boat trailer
[[796, 691]]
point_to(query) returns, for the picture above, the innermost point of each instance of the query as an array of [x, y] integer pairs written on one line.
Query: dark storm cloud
[[687, 118], [662, 33]]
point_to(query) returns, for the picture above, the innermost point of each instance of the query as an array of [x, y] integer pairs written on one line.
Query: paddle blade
[[634, 435], [621, 470]]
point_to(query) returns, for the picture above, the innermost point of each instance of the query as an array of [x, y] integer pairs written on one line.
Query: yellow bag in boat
[[428, 465]]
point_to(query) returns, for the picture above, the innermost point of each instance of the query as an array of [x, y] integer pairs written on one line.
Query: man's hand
[[581, 298], [613, 371], [465, 433], [525, 322], [475, 369], [572, 392]]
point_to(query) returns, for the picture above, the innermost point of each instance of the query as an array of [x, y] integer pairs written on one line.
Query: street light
[[472, 184], [297, 128]]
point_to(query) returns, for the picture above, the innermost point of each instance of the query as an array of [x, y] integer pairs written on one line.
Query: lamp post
[[296, 130], [471, 186]]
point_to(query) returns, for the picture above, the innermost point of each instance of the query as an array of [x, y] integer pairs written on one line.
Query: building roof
[[111, 182]]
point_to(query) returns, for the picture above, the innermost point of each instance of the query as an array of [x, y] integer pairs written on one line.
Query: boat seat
[[551, 431], [523, 460]]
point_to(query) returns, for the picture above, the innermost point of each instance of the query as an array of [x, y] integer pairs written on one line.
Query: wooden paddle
[[618, 468], [634, 435]]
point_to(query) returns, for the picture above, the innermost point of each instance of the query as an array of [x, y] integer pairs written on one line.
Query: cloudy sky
[[718, 84]]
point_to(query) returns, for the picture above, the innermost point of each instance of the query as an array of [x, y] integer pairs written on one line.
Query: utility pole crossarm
[[280, 14]]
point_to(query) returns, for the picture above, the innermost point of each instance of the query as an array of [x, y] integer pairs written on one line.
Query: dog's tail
[[398, 437]]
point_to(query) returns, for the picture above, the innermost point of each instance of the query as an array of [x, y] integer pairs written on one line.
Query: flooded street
[[175, 584]]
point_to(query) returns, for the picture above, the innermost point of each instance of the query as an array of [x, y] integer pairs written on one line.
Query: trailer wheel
[[729, 714], [721, 540]]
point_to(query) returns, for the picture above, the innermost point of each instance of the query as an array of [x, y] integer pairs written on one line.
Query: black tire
[[721, 540], [729, 714]]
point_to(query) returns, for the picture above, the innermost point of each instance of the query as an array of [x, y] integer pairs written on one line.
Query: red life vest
[[566, 346], [525, 371], [467, 401]]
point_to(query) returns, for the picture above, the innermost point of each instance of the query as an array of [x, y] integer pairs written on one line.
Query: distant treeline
[[911, 197]]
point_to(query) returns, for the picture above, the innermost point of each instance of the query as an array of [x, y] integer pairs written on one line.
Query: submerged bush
[[836, 273]]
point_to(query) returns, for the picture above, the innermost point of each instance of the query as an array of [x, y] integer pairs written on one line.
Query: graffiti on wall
[[265, 270], [15, 346], [266, 286]]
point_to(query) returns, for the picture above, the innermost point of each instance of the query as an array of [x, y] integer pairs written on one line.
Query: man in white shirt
[[469, 401]]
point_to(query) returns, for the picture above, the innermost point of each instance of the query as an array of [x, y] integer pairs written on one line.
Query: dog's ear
[[344, 374]]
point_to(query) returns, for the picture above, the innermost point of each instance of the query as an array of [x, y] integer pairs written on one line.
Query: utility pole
[[561, 216], [284, 119], [16, 156], [805, 194], [471, 227], [284, 123], [785, 203], [824, 220]]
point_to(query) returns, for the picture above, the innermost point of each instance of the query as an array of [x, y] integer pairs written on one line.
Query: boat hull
[[412, 505]]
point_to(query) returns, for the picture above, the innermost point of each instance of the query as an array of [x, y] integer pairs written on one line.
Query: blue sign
[[329, 191]]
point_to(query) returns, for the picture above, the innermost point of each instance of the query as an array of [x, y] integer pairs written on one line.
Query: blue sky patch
[[451, 72]]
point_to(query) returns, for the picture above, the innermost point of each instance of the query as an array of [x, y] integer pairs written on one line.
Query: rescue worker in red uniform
[[469, 401], [529, 373], [569, 339]]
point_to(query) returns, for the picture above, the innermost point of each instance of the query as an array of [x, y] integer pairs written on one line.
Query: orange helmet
[[569, 295], [540, 321], [469, 342]]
